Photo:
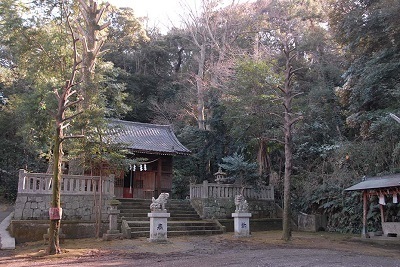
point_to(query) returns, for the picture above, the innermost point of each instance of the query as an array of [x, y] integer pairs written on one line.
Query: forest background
[[217, 80]]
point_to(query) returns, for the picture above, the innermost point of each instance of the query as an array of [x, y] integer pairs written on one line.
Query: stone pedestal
[[241, 221], [113, 232], [158, 226]]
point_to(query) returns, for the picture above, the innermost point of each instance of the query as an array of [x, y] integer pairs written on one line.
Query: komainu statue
[[159, 203], [241, 204]]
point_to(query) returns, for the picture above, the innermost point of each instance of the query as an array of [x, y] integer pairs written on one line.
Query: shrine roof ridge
[[146, 138]]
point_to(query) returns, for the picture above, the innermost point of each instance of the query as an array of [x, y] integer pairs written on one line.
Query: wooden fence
[[41, 183], [212, 190]]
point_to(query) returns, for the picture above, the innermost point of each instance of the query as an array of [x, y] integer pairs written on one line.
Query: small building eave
[[379, 182]]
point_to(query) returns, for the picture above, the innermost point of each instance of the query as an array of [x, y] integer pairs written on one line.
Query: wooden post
[[382, 214], [159, 177], [365, 210]]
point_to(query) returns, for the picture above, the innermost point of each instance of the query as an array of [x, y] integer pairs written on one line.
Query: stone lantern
[[113, 232], [220, 176]]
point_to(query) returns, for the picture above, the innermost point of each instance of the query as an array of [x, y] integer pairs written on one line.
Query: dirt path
[[262, 249]]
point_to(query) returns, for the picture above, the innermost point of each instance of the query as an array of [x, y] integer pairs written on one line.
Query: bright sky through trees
[[162, 13]]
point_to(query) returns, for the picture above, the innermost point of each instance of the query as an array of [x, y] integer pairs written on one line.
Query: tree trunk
[[287, 231], [263, 161], [54, 238], [200, 89], [288, 122], [91, 46]]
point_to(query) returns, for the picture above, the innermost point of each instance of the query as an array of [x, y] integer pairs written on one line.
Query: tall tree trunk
[[91, 47], [263, 161], [288, 96], [287, 231], [200, 88], [55, 222]]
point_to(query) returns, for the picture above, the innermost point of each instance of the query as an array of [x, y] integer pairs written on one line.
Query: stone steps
[[183, 220]]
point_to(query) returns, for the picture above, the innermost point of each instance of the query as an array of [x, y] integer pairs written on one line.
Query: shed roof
[[379, 182], [146, 138]]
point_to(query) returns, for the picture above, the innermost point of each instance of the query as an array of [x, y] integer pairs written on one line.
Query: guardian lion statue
[[159, 203], [241, 204]]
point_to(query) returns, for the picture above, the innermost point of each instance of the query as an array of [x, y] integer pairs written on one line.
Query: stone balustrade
[[41, 183], [79, 196], [213, 190], [213, 200]]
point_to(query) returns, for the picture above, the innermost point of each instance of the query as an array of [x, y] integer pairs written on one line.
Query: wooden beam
[[365, 211], [159, 176], [382, 213], [394, 117]]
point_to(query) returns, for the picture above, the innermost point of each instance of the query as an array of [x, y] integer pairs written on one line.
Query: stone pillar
[[205, 189], [241, 217], [158, 218], [21, 180], [113, 232], [158, 226], [241, 221]]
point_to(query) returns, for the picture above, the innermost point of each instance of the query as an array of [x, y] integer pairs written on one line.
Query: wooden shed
[[385, 188], [158, 145]]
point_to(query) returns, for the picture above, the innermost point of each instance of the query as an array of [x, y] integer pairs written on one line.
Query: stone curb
[[6, 241]]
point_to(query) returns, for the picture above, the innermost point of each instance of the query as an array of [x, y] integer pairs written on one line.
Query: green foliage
[[205, 147], [370, 32], [180, 186], [16, 152], [241, 171], [250, 102]]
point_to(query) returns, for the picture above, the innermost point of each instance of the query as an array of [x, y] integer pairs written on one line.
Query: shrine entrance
[[140, 184], [151, 148], [147, 179]]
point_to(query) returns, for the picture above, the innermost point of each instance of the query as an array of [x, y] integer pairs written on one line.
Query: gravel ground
[[262, 249]]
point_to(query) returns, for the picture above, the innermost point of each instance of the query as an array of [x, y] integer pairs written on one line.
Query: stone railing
[[41, 183], [211, 190]]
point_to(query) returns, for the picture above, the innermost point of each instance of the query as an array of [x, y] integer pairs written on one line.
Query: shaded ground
[[262, 249]]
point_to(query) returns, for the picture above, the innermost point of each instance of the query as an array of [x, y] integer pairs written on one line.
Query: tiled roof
[[387, 181], [146, 138]]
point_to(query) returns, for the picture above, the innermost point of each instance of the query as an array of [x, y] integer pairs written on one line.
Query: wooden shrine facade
[[156, 145]]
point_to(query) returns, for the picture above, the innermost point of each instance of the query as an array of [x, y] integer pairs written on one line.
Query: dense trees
[[221, 80]]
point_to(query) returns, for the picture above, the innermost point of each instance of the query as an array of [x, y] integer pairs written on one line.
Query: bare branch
[[276, 114], [65, 125], [56, 93], [394, 117], [277, 140], [295, 70], [84, 5], [105, 25], [70, 93], [73, 103], [281, 89], [295, 120], [297, 94], [74, 136], [72, 116], [100, 14]]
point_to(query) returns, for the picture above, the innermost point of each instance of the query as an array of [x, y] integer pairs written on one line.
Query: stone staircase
[[183, 220]]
